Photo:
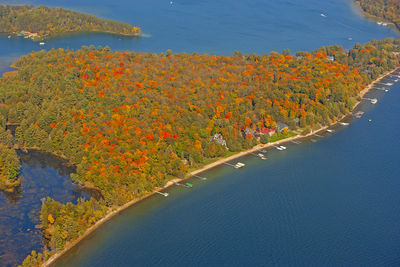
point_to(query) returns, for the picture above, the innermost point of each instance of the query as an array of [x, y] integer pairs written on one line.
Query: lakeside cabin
[[219, 139], [281, 126]]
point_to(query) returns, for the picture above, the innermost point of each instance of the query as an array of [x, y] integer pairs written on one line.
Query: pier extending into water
[[372, 100], [162, 193], [236, 166], [200, 177], [259, 155], [381, 89]]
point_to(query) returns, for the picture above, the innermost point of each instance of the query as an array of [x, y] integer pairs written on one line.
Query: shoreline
[[38, 38], [395, 25], [111, 214]]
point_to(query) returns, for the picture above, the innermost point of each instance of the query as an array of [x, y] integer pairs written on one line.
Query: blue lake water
[[42, 175], [333, 202]]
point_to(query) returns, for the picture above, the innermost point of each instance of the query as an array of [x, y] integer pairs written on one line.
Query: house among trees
[[268, 131], [219, 139], [331, 58], [248, 131], [281, 126]]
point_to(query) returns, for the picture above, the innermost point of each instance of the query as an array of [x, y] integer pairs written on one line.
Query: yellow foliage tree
[[50, 218]]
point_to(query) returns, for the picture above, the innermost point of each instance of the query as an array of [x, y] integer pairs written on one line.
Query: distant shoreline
[[52, 260], [70, 33], [396, 25]]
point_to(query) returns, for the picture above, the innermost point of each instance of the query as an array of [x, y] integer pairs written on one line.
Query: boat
[[344, 123], [384, 24], [42, 43], [261, 156], [359, 114], [283, 147], [374, 101], [239, 165], [279, 148], [389, 84], [323, 15], [187, 185], [9, 36], [350, 38], [396, 80], [379, 22], [264, 151], [330, 131]]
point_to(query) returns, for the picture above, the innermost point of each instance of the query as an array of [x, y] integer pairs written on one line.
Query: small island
[[386, 10], [39, 23]]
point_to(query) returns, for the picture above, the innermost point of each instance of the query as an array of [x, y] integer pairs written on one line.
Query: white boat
[[323, 15], [359, 114], [330, 131], [261, 156], [396, 80], [283, 147], [389, 84], [374, 101], [379, 22], [42, 43], [384, 24], [279, 148], [9, 36], [344, 123], [239, 165]]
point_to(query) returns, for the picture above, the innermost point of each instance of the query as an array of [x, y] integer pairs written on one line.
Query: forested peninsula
[[130, 122], [39, 23], [387, 10]]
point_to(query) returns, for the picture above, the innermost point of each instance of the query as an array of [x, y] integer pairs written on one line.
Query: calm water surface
[[334, 202], [42, 175]]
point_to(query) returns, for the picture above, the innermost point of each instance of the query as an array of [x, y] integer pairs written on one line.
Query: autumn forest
[[130, 122]]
